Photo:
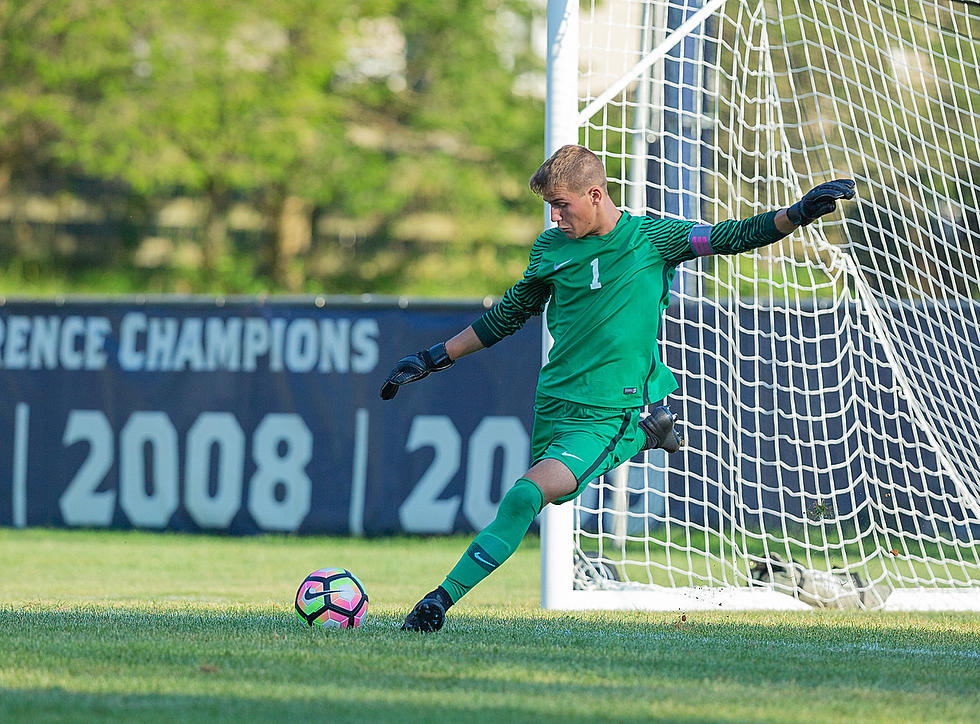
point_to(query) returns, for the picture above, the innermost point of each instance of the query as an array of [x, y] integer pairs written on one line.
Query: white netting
[[830, 387]]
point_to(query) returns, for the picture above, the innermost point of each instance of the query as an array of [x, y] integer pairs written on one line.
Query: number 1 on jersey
[[596, 284]]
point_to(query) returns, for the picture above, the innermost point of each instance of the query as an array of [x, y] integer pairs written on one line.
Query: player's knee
[[523, 497]]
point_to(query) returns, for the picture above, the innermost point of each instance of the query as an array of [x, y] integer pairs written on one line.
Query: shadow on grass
[[87, 663], [57, 705]]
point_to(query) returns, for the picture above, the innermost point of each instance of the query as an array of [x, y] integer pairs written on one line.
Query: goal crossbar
[[658, 53]]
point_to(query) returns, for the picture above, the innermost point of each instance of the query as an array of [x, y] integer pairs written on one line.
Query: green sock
[[495, 543]]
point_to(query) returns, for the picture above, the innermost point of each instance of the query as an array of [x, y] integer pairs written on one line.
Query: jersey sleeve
[[519, 303], [687, 240]]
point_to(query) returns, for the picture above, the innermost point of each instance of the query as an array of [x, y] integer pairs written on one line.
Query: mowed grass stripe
[[266, 657], [74, 653]]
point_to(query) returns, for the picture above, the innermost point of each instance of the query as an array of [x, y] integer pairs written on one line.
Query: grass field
[[122, 626]]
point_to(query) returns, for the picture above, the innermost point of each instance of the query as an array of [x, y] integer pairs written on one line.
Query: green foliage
[[370, 111], [168, 95]]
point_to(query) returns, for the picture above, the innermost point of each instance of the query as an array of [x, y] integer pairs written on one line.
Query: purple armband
[[700, 239]]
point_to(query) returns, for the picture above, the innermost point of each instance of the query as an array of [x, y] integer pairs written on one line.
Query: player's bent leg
[[553, 478], [491, 547], [495, 543], [659, 429]]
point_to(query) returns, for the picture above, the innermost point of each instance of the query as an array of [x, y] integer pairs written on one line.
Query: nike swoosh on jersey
[[569, 455], [559, 266]]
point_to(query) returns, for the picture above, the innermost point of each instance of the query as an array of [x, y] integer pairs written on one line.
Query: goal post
[[830, 383]]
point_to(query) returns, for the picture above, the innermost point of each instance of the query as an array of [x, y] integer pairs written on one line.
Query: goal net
[[830, 385]]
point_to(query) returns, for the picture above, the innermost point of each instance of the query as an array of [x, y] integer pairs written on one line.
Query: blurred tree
[[31, 113], [447, 119], [216, 99], [374, 109]]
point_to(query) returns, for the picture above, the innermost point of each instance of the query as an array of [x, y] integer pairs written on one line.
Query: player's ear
[[595, 195]]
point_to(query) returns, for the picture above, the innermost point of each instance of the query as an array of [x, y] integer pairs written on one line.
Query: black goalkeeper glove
[[820, 200], [414, 367]]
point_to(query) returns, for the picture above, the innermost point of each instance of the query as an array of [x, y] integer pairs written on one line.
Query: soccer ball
[[332, 598]]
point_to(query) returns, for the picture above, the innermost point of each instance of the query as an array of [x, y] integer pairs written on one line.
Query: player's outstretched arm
[[436, 358], [736, 236], [820, 200]]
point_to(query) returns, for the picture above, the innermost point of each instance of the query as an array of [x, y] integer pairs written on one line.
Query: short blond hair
[[571, 167]]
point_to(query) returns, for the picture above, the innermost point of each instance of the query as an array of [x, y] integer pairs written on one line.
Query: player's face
[[576, 215]]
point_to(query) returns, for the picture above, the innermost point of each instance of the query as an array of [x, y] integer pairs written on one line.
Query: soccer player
[[607, 274]]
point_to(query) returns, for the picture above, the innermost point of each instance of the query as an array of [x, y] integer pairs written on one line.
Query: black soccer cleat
[[428, 615], [658, 426]]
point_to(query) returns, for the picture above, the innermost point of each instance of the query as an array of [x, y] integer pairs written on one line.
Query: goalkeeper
[[608, 275]]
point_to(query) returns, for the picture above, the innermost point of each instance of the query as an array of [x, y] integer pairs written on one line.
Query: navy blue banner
[[248, 416]]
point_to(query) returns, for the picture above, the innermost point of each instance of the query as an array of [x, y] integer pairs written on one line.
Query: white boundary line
[[875, 649]]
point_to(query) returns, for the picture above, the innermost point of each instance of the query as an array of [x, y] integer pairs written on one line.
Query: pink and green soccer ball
[[331, 598]]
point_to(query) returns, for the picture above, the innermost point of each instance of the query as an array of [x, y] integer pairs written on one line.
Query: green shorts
[[589, 441]]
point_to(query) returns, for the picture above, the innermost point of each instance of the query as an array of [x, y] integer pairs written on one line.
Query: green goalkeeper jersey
[[608, 294]]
